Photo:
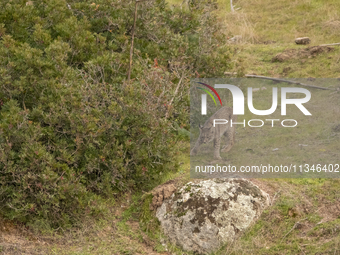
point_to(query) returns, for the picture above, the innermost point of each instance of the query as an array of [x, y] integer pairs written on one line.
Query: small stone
[[235, 39], [302, 40], [230, 73], [281, 57]]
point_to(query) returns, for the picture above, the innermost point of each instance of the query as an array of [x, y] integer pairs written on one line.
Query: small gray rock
[[302, 40], [235, 39]]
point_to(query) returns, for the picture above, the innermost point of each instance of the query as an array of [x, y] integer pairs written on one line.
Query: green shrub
[[72, 130]]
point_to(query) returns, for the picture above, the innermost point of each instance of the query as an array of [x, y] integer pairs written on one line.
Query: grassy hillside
[[270, 27], [305, 214]]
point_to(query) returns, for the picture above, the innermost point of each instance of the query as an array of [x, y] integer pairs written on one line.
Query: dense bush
[[72, 130]]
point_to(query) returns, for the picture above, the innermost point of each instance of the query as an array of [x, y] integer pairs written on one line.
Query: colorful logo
[[208, 92]]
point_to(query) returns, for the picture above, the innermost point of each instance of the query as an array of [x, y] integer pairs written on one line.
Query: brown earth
[[301, 53]]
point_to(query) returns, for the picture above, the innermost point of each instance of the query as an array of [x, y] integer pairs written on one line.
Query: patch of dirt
[[329, 211], [303, 53], [147, 244], [336, 128], [266, 42], [123, 203], [286, 70], [15, 239]]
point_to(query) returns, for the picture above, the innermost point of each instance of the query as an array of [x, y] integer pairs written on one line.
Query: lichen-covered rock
[[203, 215]]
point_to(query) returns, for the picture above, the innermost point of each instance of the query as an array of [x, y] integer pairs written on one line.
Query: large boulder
[[203, 215]]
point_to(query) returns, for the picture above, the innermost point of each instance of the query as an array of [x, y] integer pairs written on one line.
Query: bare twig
[[273, 200], [331, 44], [172, 99], [295, 225], [300, 246], [230, 73], [132, 39], [282, 80]]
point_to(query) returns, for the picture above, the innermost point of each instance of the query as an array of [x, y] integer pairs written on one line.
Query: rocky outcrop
[[203, 215]]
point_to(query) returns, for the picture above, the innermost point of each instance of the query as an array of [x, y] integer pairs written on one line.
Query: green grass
[[275, 233]]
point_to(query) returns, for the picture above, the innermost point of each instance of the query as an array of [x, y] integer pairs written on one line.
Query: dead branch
[[294, 227], [282, 80], [132, 39], [331, 44], [273, 200], [172, 99], [231, 6]]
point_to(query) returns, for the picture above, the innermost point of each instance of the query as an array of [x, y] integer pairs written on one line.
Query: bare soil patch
[[16, 239], [303, 53]]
